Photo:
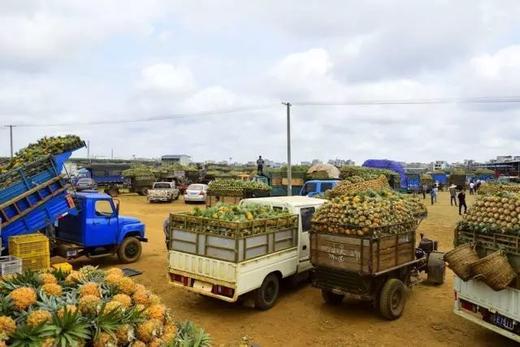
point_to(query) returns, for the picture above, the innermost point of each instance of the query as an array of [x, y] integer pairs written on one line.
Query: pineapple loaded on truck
[[229, 251], [34, 197], [363, 245], [486, 262]]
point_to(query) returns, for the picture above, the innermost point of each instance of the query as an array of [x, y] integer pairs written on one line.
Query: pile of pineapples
[[89, 307]]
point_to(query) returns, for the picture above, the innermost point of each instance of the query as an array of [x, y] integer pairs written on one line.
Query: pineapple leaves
[[188, 335], [68, 328]]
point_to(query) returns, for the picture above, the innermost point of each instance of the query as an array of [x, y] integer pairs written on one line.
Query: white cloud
[[166, 79]]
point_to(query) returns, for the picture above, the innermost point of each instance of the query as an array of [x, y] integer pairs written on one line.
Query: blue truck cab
[[315, 188], [98, 229]]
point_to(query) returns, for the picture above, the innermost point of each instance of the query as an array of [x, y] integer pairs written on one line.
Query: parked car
[[196, 193], [85, 183], [163, 191]]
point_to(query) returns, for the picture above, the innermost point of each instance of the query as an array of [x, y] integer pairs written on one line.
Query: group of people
[[458, 193], [474, 186]]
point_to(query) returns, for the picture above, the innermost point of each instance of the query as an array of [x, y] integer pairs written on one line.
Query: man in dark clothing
[[260, 165], [462, 201]]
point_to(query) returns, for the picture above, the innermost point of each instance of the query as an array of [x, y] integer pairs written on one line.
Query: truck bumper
[[478, 320], [203, 286]]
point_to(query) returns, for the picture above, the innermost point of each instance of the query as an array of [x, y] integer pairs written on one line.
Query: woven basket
[[494, 270], [460, 260]]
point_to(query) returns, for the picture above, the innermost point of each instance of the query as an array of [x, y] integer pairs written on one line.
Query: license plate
[[204, 286], [72, 253], [504, 322]]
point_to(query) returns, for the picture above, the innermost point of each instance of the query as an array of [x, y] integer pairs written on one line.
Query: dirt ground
[[300, 318]]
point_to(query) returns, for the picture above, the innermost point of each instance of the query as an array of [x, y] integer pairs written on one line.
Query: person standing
[[424, 190], [462, 201], [433, 194], [453, 194], [471, 188], [260, 165]]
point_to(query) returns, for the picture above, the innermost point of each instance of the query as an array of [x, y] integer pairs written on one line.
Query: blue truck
[[109, 177], [315, 188], [36, 198]]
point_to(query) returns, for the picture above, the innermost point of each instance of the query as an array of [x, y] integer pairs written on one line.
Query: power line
[[368, 102], [154, 118]]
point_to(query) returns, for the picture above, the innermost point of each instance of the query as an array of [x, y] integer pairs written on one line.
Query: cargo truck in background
[[476, 302], [36, 198], [229, 268]]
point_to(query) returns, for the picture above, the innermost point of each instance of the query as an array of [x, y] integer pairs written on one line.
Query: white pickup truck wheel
[[267, 294]]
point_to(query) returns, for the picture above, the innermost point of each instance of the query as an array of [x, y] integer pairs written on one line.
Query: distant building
[[182, 159], [504, 158], [316, 161], [440, 165], [308, 163], [341, 162]]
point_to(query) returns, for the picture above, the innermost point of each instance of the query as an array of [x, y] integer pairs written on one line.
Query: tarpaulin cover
[[389, 165]]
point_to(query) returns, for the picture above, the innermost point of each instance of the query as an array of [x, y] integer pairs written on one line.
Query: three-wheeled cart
[[377, 268]]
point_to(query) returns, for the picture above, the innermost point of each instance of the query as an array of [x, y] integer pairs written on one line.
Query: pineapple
[[68, 327], [88, 304], [149, 329], [140, 287], [124, 299], [115, 271], [156, 311], [48, 278], [141, 297], [48, 342], [170, 332], [155, 299], [37, 317], [71, 309], [125, 334], [138, 343], [113, 279], [157, 342], [74, 277], [90, 288], [52, 289], [104, 339], [7, 326], [113, 305], [126, 285], [23, 297]]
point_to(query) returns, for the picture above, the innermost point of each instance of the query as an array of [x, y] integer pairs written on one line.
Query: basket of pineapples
[[89, 307]]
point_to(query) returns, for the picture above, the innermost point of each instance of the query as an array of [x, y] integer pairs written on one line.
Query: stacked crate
[[33, 249]]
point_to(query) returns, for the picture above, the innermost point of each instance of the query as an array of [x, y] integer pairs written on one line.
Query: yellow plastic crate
[[31, 245], [41, 262], [65, 267]]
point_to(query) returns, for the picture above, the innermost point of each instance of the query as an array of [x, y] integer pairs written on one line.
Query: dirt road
[[300, 318]]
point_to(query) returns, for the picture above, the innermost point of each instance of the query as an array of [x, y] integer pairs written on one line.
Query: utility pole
[[289, 169], [88, 152], [11, 138]]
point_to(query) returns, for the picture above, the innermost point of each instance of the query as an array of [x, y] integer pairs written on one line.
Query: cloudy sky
[[78, 64]]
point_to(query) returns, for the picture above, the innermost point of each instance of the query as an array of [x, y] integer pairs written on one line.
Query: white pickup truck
[[227, 268], [497, 311], [163, 191]]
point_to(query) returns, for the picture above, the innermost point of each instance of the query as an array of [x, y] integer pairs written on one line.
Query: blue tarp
[[389, 165], [440, 178]]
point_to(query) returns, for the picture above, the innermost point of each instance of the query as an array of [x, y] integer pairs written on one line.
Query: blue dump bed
[[440, 178], [33, 196], [413, 182]]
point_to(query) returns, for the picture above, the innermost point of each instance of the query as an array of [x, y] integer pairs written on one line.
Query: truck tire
[[129, 250], [266, 295], [331, 298], [392, 299]]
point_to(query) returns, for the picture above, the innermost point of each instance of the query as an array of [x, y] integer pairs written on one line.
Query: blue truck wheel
[[130, 250]]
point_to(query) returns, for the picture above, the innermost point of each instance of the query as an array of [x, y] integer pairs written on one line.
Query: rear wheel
[[129, 250], [331, 298], [392, 299], [267, 294]]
